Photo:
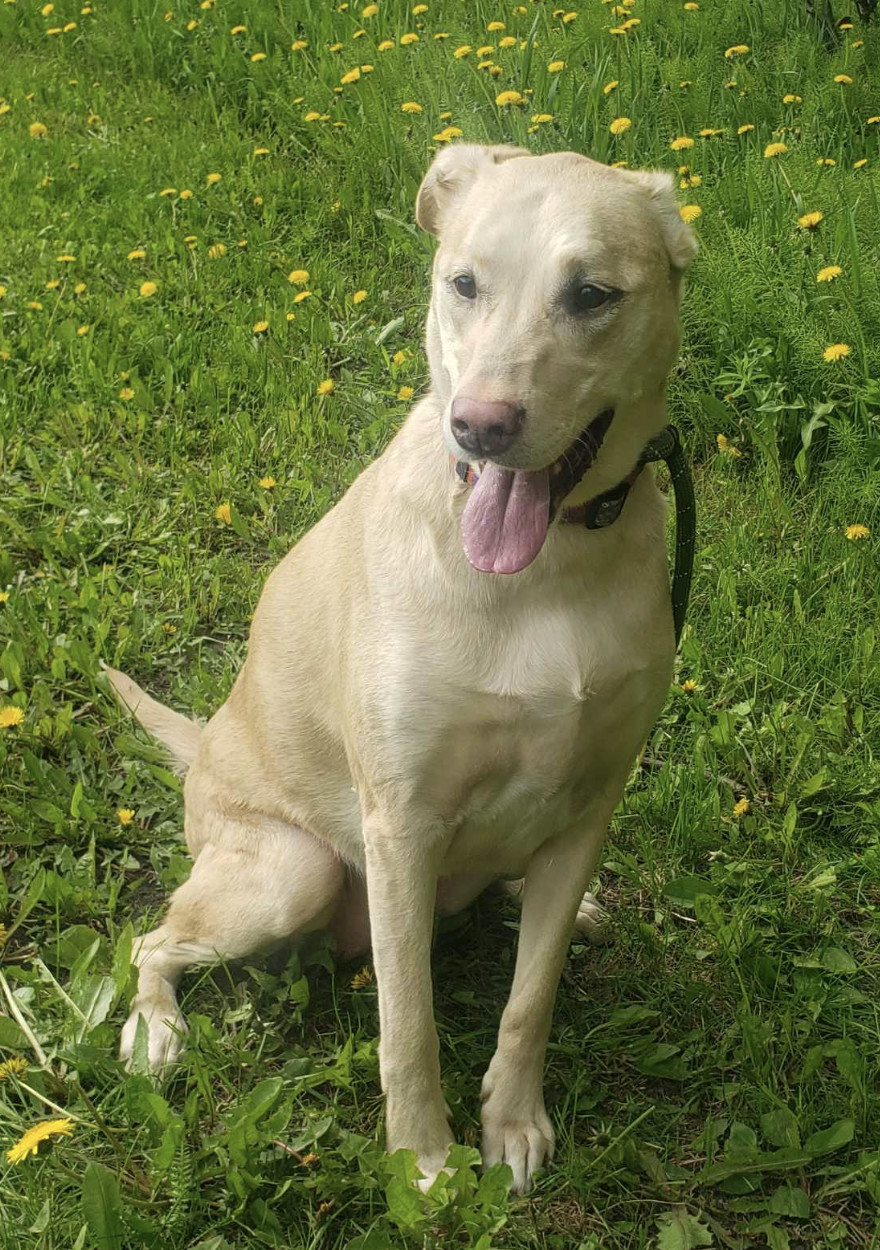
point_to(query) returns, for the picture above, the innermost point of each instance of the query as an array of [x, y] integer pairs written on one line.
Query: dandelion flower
[[238, 30], [370, 11], [508, 97], [10, 716], [260, 327], [137, 254], [509, 41], [300, 296], [789, 98], [843, 79], [610, 86], [691, 6], [216, 250], [385, 46], [126, 393], [411, 107], [83, 330], [620, 125], [398, 358], [810, 221], [358, 297], [38, 130], [860, 164], [223, 513], [857, 532], [326, 387], [836, 351], [16, 1066], [126, 815], [555, 67], [872, 121], [462, 51], [298, 276], [744, 129], [682, 143], [259, 56], [775, 149], [829, 273], [362, 978], [568, 17], [352, 76], [267, 483], [406, 40], [740, 808], [298, 45], [542, 118], [494, 26], [31, 1141], [689, 686], [147, 289], [726, 447], [405, 392], [738, 49], [690, 212]]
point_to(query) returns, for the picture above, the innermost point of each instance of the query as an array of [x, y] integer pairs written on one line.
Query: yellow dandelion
[[166, 191], [411, 107], [216, 250], [223, 513], [385, 46], [10, 717], [857, 532], [405, 392], [685, 83], [147, 289], [691, 6], [555, 67], [326, 387], [740, 808], [267, 482], [397, 359], [137, 254], [298, 45], [610, 86], [35, 305], [790, 98], [31, 1141], [126, 393], [708, 133], [860, 164], [775, 149], [370, 11], [494, 26], [509, 41], [300, 296], [689, 686], [745, 129], [836, 351], [186, 195], [237, 30], [738, 49], [844, 79], [568, 17], [125, 815], [212, 179], [810, 221], [298, 277], [508, 97], [38, 130], [542, 118], [262, 151], [829, 273], [873, 121], [682, 143], [352, 76], [726, 447], [406, 40], [259, 56], [83, 330], [419, 10], [362, 978], [191, 25], [620, 125], [690, 212], [462, 51], [260, 327], [16, 1066], [359, 297]]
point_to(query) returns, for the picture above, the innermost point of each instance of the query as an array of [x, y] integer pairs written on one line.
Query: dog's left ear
[[681, 241], [451, 174]]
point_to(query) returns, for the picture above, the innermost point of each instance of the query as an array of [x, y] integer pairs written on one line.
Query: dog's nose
[[486, 427]]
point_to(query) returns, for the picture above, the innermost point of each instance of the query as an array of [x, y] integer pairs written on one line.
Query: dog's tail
[[179, 734]]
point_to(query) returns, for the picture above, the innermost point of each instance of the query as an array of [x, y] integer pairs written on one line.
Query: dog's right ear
[[452, 173]]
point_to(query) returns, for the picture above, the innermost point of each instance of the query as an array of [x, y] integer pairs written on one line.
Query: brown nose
[[486, 427]]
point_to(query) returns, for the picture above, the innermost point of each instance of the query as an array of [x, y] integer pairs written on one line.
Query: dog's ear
[[681, 241], [452, 172]]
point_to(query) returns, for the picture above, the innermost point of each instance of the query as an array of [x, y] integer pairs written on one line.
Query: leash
[[667, 446]]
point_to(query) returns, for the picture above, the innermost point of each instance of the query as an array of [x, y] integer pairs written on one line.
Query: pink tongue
[[505, 520]]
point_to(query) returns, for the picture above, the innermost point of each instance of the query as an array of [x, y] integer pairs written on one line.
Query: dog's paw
[[165, 1029], [516, 1131], [591, 921]]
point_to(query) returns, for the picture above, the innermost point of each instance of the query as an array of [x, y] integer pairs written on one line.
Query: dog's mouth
[[506, 518]]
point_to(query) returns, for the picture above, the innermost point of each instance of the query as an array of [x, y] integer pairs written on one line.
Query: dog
[[449, 678]]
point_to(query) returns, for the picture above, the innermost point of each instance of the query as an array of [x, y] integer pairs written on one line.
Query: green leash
[[667, 446]]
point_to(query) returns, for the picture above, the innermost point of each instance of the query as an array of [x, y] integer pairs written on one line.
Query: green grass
[[718, 1060]]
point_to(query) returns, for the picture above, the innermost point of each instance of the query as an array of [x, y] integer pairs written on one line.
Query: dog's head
[[555, 304]]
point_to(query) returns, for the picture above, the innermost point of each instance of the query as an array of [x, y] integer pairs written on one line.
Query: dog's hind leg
[[278, 882], [591, 921]]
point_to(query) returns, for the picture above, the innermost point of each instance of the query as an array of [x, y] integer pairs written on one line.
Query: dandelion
[[872, 121], [791, 99], [83, 330], [738, 49], [829, 273], [855, 533], [362, 978], [744, 129], [485, 50], [398, 358], [462, 51], [405, 392], [385, 46], [35, 305], [620, 125], [555, 67], [216, 250], [16, 1066], [836, 352], [682, 143], [542, 118], [38, 130], [300, 296], [843, 79], [740, 808], [147, 289], [370, 11], [223, 513], [689, 686], [267, 483], [126, 393], [406, 40], [708, 133], [568, 17], [260, 327], [508, 97], [126, 815], [352, 76], [775, 149], [137, 254], [689, 213], [419, 10], [299, 45], [237, 30], [31, 1141], [691, 6], [411, 107], [860, 164], [495, 26], [509, 41], [259, 56], [810, 221], [313, 116], [298, 276], [685, 82], [610, 86], [358, 297], [10, 717], [326, 387], [186, 195], [726, 447]]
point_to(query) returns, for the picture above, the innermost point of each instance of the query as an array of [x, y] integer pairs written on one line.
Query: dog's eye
[[465, 286], [584, 297]]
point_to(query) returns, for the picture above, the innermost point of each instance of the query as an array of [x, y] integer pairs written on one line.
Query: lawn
[[212, 293]]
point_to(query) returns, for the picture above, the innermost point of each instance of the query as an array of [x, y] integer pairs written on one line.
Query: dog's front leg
[[516, 1128], [402, 869]]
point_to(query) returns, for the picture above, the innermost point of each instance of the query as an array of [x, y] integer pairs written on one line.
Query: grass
[[713, 1071]]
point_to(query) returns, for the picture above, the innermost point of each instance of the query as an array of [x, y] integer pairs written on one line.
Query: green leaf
[[839, 1134], [683, 890], [834, 959], [787, 1200], [406, 1205], [679, 1230], [102, 1207], [781, 1128]]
